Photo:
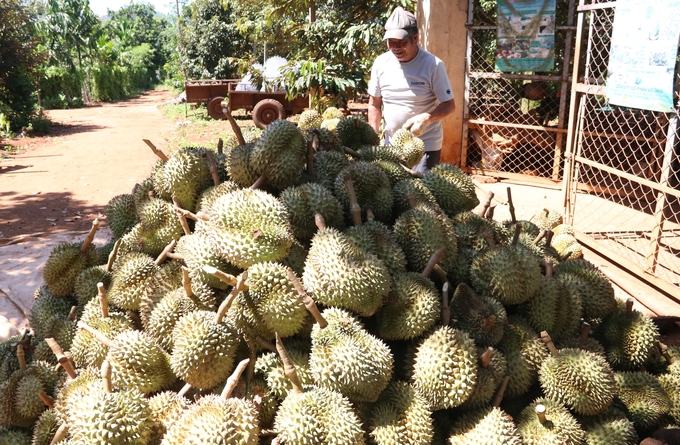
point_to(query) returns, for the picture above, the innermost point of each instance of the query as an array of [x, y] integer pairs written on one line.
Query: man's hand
[[417, 123]]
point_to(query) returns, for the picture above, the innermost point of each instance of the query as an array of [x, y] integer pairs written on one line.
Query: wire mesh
[[625, 189]]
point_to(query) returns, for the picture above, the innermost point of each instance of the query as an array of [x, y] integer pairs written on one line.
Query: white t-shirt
[[408, 89]]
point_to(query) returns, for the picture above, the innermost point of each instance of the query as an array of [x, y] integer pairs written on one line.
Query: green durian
[[378, 239], [309, 119], [306, 200], [240, 167], [130, 278], [452, 188], [11, 436], [524, 352], [644, 398], [85, 287], [416, 187], [332, 113], [486, 426], [547, 219], [159, 226], [186, 174], [168, 278], [371, 187], [493, 367], [121, 214], [597, 293], [198, 252], [559, 426], [394, 171], [370, 153], [279, 154], [410, 148], [270, 366], [48, 309], [250, 135], [401, 416], [166, 407], [327, 166], [64, 264], [473, 231], [141, 191], [671, 384], [161, 322], [209, 195], [483, 318], [354, 132], [609, 428], [45, 428]]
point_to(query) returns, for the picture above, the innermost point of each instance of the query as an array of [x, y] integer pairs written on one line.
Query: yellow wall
[[441, 27]]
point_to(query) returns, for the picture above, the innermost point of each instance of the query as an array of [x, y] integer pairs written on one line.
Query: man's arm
[[418, 123], [375, 112]]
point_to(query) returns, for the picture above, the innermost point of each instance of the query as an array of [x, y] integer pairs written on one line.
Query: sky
[[99, 7]]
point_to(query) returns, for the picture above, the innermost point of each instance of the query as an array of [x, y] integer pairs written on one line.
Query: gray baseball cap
[[399, 21]]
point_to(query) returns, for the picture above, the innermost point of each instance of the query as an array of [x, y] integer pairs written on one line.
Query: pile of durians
[[303, 285]]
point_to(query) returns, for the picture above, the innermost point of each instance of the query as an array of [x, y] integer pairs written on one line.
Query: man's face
[[404, 50]]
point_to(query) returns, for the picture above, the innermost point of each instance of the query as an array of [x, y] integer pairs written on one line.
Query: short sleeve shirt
[[408, 89]]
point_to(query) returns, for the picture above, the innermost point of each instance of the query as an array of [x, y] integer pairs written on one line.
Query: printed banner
[[643, 54], [526, 35]]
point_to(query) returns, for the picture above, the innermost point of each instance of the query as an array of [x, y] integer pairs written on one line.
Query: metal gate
[[622, 168]]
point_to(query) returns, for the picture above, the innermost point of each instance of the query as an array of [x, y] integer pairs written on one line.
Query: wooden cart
[[265, 107]]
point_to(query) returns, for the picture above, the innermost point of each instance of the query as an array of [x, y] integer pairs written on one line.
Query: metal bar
[[621, 136], [485, 75], [584, 88], [466, 98], [583, 8], [654, 247], [490, 27], [511, 125], [642, 181]]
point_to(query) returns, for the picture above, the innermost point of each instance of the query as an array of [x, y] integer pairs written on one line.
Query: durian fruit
[[474, 231], [204, 346], [370, 153], [411, 149], [310, 119], [354, 132], [597, 293], [580, 380], [524, 352], [414, 186], [378, 239], [394, 170], [400, 416], [198, 252], [141, 193], [219, 420], [185, 175], [445, 368], [327, 166], [167, 407], [585, 342], [159, 226], [169, 277], [66, 261], [509, 273], [483, 318], [331, 125], [370, 185], [547, 219], [297, 255], [249, 226], [548, 422], [49, 310], [240, 167], [644, 397], [161, 322], [45, 428], [130, 277], [85, 287], [270, 366], [121, 214], [492, 371], [332, 113], [250, 135], [452, 188], [9, 361], [279, 154], [347, 359], [105, 416], [73, 392], [339, 273], [209, 195], [313, 415], [671, 384], [13, 436], [609, 428], [567, 246], [137, 361], [306, 200], [629, 337]]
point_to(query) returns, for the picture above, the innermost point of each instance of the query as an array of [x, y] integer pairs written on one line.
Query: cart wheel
[[215, 108], [267, 111]]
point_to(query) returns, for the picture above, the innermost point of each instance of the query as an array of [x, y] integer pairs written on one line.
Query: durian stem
[[276, 441], [312, 147], [101, 338], [103, 300], [226, 304], [47, 400], [319, 221], [72, 314], [370, 216], [351, 152], [307, 300], [664, 351], [60, 434], [187, 214], [549, 343], [61, 357], [175, 256], [585, 332], [354, 207], [113, 255], [411, 172], [539, 237], [434, 259], [490, 212], [164, 254], [233, 379], [410, 197], [511, 207], [185, 389], [485, 358], [489, 239], [540, 412], [224, 277], [288, 366], [515, 236], [481, 209], [489, 322], [234, 127], [90, 236], [629, 308], [250, 372], [500, 393], [200, 215], [257, 184], [548, 238], [212, 166], [441, 273], [186, 282], [156, 151], [446, 311], [106, 372], [549, 268], [265, 344], [182, 217], [21, 356], [220, 146]]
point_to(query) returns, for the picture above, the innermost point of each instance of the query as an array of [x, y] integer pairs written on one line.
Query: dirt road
[[64, 181]]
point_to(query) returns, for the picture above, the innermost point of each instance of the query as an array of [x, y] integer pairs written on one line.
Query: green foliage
[[61, 88]]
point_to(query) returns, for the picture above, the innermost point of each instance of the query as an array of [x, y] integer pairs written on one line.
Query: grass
[[6, 150]]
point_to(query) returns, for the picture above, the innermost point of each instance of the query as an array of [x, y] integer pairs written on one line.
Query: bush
[[61, 88]]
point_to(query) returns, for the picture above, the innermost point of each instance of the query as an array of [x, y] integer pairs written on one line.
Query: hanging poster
[[643, 54], [526, 35]]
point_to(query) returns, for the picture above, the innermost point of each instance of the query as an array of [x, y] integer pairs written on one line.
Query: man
[[409, 87]]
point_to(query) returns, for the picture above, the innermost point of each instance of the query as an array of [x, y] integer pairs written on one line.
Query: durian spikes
[[60, 434], [434, 259], [101, 338], [106, 372], [585, 332], [103, 300], [515, 236], [234, 127], [481, 209], [354, 207], [629, 308], [312, 147], [113, 255], [226, 304], [181, 216], [549, 343], [233, 379], [511, 207], [21, 356], [212, 166], [540, 412], [500, 393], [288, 366], [61, 357], [446, 312], [185, 389], [485, 358], [47, 400], [90, 236], [549, 268], [225, 277], [156, 151], [164, 254], [186, 282], [307, 300]]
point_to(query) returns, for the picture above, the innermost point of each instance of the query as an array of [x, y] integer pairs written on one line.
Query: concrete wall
[[441, 27]]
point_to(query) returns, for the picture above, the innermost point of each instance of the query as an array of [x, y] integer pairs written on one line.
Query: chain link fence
[[622, 185]]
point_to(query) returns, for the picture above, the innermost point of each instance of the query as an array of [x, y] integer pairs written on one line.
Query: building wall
[[441, 27]]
